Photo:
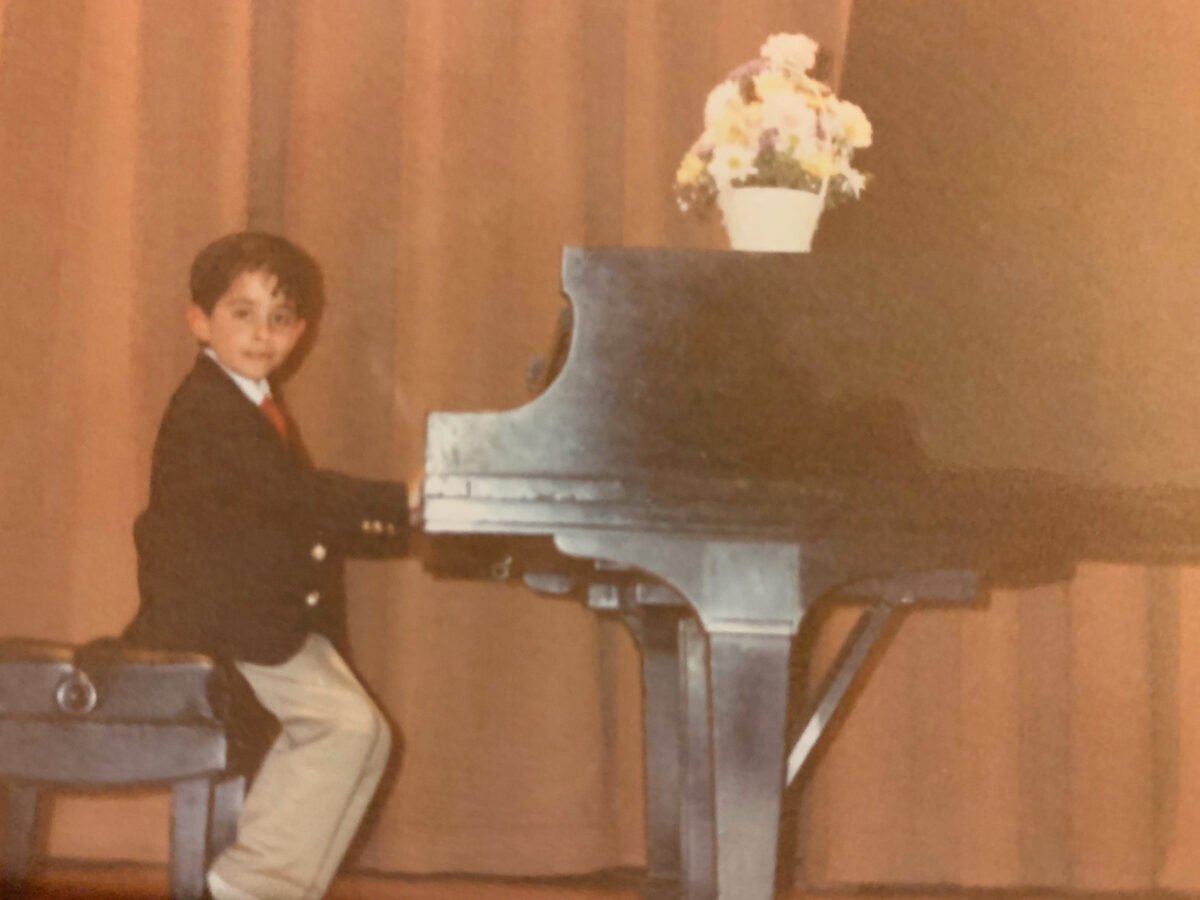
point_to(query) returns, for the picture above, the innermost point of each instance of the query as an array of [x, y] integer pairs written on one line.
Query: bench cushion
[[107, 681]]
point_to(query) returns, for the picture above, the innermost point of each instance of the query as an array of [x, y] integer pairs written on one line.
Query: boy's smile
[[252, 328]]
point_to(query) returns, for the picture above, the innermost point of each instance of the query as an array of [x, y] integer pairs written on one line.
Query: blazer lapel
[[213, 377]]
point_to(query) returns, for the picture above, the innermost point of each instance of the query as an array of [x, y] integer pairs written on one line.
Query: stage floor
[[136, 882]]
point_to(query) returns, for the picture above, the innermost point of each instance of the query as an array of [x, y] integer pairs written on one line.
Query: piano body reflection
[[732, 437]]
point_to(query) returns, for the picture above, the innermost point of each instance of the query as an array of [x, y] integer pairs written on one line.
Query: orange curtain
[[435, 155], [1033, 741]]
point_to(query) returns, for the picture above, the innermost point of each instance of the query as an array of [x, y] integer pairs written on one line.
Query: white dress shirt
[[255, 390]]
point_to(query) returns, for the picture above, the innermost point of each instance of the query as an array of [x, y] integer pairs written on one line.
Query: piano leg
[[655, 629], [697, 833], [749, 675], [748, 596]]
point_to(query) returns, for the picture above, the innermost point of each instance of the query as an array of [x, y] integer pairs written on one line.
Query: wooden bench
[[105, 716]]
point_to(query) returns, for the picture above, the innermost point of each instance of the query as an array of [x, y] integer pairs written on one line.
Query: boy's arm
[[362, 516], [260, 480], [380, 524]]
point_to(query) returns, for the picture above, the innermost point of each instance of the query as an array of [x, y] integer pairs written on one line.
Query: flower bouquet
[[770, 124]]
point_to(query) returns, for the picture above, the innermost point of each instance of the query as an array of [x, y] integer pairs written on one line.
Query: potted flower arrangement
[[775, 151]]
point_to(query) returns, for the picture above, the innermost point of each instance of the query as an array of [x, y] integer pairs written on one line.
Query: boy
[[237, 554]]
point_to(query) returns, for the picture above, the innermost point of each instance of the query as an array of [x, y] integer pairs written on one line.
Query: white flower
[[731, 162], [852, 123], [791, 52], [855, 180], [790, 115], [721, 99]]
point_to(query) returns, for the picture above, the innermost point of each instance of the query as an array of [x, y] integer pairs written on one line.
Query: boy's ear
[[197, 320]]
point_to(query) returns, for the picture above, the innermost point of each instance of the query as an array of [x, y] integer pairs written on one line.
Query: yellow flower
[[727, 127], [691, 168], [820, 165], [815, 93], [766, 83], [738, 125]]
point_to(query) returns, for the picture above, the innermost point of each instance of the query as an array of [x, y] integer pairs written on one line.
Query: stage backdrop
[[435, 155]]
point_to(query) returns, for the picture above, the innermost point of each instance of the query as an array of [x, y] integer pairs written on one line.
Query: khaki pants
[[314, 784]]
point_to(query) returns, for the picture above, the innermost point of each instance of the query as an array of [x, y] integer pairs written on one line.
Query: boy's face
[[252, 328]]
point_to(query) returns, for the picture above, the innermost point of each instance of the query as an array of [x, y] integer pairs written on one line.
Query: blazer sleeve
[[224, 466]]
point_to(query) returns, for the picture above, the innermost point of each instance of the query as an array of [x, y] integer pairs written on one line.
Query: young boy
[[237, 558]]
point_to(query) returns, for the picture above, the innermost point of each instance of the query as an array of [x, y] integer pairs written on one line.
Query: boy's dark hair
[[218, 264]]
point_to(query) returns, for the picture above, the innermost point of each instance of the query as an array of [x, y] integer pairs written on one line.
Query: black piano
[[726, 439]]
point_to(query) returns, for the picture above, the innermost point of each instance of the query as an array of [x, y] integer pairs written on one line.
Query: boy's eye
[[283, 318]]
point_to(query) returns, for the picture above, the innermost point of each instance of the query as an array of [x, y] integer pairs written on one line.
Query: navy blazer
[[240, 547]]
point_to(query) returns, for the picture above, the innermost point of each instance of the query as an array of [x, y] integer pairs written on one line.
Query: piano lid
[[780, 366]]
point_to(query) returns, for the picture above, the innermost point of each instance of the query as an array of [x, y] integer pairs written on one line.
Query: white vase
[[769, 219]]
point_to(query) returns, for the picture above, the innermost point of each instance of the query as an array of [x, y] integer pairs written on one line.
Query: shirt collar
[[254, 390]]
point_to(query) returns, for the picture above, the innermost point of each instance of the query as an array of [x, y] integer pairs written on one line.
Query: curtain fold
[[435, 156]]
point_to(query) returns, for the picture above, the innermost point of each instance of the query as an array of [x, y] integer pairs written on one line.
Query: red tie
[[275, 415]]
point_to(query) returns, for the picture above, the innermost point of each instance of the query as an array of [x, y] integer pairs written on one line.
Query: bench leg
[[189, 831], [20, 836], [227, 795]]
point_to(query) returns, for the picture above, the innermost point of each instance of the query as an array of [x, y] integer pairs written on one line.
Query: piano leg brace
[[862, 639]]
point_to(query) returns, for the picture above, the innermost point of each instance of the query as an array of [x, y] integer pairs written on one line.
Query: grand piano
[[727, 439]]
